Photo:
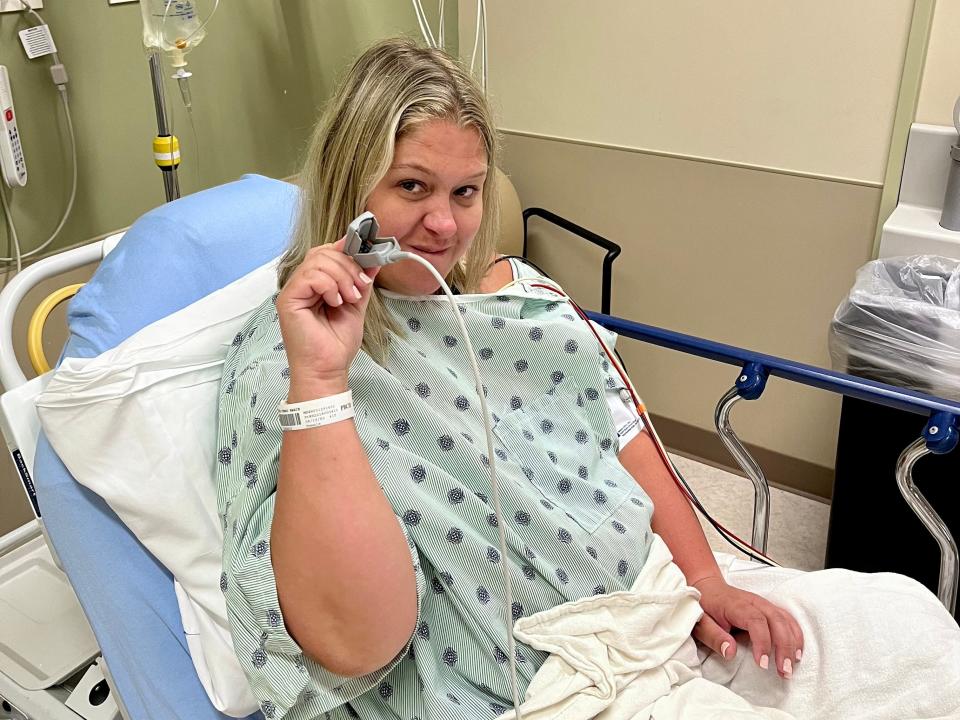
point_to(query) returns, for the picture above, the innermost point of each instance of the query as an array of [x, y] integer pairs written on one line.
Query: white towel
[[627, 655], [877, 647]]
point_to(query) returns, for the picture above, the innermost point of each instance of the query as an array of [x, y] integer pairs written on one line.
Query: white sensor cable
[[491, 455]]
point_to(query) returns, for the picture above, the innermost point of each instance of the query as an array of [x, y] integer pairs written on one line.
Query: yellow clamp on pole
[[166, 151], [38, 320]]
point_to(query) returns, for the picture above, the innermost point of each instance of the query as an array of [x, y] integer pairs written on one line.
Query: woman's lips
[[429, 252]]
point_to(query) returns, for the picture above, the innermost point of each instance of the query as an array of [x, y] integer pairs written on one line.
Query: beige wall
[[736, 150], [805, 87], [941, 73]]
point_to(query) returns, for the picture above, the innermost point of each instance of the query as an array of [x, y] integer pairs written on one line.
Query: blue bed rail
[[755, 367], [940, 435]]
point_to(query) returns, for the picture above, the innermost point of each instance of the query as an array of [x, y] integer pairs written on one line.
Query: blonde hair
[[390, 89]]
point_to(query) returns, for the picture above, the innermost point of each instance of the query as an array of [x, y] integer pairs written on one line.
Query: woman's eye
[[467, 192], [411, 186]]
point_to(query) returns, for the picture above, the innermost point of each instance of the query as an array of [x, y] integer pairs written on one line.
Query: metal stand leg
[[761, 489], [949, 567]]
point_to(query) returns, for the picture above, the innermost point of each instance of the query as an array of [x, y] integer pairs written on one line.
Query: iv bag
[[171, 25]]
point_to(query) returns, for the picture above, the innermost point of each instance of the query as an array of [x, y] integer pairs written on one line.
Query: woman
[[361, 566]]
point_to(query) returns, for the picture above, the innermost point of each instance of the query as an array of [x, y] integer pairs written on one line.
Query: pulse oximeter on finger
[[365, 247]]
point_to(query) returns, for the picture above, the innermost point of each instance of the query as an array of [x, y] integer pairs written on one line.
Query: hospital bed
[[122, 630]]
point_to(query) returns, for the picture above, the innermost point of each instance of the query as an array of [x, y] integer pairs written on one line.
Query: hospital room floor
[[798, 525]]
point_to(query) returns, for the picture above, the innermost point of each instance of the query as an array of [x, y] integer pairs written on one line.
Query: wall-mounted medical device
[[11, 151]]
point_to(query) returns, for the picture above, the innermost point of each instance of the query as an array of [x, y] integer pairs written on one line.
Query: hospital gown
[[576, 522]]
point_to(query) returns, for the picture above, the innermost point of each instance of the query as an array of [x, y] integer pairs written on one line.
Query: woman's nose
[[440, 221]]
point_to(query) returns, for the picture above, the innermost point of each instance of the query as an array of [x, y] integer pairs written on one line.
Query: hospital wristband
[[314, 413]]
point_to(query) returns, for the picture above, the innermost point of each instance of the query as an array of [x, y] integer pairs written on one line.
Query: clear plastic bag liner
[[900, 324]]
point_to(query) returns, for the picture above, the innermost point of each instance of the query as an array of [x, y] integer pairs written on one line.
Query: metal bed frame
[[940, 436]]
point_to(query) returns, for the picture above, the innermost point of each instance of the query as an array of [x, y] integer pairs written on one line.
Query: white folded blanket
[[627, 655], [877, 647]]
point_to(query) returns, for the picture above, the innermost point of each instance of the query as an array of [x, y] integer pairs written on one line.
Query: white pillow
[[148, 410]]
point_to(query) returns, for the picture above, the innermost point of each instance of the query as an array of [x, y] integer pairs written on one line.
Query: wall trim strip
[[693, 158]]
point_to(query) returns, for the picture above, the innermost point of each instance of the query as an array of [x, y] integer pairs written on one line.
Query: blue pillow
[[178, 253], [171, 257]]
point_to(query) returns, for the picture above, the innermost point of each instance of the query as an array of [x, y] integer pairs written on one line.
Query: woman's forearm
[[344, 576], [673, 517]]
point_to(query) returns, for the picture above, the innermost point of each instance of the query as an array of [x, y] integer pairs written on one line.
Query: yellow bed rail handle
[[39, 319]]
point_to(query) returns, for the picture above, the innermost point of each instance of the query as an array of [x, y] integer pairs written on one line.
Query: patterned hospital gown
[[576, 522]]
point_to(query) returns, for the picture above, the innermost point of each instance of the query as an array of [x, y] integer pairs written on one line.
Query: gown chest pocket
[[559, 453]]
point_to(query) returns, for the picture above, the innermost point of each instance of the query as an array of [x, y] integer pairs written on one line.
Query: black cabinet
[[872, 528]]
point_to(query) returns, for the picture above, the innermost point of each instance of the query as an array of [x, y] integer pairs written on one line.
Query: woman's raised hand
[[321, 310]]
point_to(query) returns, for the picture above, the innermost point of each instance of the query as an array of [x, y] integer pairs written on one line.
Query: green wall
[[260, 75]]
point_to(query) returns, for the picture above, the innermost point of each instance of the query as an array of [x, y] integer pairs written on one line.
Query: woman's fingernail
[[799, 654], [764, 662], [364, 278], [356, 293], [723, 650], [339, 299], [787, 667]]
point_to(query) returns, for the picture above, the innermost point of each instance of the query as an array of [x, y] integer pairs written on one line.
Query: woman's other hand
[[321, 310], [774, 633]]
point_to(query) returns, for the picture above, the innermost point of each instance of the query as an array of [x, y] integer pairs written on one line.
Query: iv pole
[[166, 147]]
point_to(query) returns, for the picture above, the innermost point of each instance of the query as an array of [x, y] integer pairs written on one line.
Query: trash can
[[900, 324]]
